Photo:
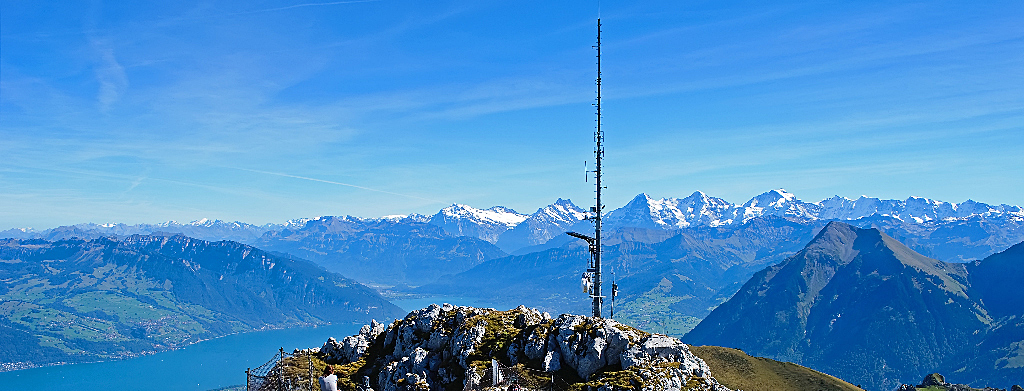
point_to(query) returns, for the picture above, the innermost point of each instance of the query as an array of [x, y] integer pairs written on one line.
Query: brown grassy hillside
[[739, 371]]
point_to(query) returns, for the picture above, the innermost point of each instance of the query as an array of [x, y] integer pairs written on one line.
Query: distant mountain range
[[668, 279], [541, 226], [84, 300], [205, 229], [381, 251], [730, 241], [859, 304], [699, 209], [513, 231], [675, 261]]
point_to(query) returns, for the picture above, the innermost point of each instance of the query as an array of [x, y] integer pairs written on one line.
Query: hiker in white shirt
[[329, 381]]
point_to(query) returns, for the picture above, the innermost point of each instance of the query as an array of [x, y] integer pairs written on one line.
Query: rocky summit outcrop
[[936, 382], [440, 347]]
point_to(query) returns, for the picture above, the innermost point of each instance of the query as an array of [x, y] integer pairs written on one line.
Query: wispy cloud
[[133, 181], [304, 6], [113, 82], [340, 184]]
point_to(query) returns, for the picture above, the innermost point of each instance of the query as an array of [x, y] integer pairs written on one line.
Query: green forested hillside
[[81, 300]]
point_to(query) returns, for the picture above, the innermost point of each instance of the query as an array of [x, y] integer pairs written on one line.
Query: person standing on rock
[[329, 381]]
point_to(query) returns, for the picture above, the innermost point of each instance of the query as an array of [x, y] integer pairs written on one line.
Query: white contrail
[[338, 183], [307, 5]]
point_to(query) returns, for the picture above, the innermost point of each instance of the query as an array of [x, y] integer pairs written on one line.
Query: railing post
[[309, 356], [247, 381], [280, 371]]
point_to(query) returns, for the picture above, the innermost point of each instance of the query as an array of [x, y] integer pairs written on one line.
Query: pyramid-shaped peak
[[848, 238], [836, 234], [782, 193], [774, 197], [836, 229], [702, 197], [562, 205], [640, 199]]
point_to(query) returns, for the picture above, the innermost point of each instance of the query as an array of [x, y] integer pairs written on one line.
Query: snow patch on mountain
[[698, 209], [487, 224], [542, 225], [701, 210], [512, 231], [497, 214]]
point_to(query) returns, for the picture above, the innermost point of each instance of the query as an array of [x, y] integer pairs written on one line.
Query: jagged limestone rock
[[933, 379], [440, 347], [353, 347]]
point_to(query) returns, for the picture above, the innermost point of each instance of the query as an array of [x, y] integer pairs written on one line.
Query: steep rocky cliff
[[444, 347]]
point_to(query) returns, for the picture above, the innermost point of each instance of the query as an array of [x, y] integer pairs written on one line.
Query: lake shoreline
[[217, 363], [20, 366]]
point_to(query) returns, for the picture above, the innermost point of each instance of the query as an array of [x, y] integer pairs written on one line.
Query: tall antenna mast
[[592, 278], [598, 156]]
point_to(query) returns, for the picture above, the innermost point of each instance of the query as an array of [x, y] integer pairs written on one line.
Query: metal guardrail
[[284, 372], [518, 378]]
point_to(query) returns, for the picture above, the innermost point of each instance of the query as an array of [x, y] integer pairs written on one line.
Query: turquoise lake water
[[207, 365]]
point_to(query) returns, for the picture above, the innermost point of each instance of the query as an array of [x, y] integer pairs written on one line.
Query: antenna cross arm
[[581, 236]]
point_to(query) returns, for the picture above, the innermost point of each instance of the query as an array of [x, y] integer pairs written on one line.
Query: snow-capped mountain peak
[[777, 202], [495, 215], [671, 213], [297, 223], [698, 209], [563, 210], [410, 218], [542, 225], [486, 224], [772, 199], [832, 208]]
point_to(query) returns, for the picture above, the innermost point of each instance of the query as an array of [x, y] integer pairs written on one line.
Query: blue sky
[[263, 111]]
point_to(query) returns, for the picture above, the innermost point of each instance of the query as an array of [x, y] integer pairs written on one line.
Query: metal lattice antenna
[[592, 278], [598, 157]]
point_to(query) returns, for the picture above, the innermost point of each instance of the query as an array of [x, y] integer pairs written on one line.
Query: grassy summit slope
[[739, 371]]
